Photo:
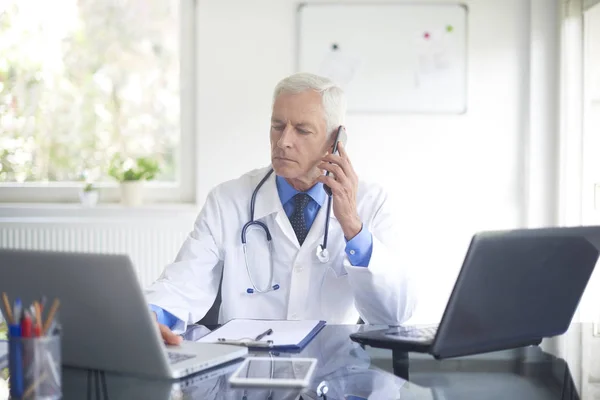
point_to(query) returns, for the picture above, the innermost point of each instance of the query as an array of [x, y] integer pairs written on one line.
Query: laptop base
[[397, 338]]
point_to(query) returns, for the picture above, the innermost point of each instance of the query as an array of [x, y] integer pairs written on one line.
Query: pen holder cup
[[35, 367]]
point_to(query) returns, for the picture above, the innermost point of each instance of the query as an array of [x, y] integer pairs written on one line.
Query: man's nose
[[287, 137]]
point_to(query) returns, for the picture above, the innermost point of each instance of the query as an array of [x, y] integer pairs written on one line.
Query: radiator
[[150, 244]]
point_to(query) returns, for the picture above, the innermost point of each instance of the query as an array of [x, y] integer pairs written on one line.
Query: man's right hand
[[168, 336]]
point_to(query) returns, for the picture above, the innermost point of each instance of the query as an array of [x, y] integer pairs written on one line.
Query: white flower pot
[[88, 199], [132, 193]]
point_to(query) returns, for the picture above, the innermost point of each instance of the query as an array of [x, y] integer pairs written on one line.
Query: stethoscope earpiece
[[250, 290]]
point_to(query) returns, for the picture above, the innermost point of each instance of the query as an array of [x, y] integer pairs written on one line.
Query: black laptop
[[515, 288]]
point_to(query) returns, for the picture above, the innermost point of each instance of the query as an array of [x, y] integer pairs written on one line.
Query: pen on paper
[[248, 341], [265, 333]]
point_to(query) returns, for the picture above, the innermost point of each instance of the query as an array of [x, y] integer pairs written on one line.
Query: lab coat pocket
[[252, 269], [337, 304], [243, 279], [337, 266]]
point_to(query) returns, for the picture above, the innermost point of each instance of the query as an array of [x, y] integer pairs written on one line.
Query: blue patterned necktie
[[301, 200]]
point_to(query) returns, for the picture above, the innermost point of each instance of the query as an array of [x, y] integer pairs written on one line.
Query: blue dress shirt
[[358, 249]]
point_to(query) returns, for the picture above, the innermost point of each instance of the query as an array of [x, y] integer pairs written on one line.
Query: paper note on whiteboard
[[434, 62], [340, 67]]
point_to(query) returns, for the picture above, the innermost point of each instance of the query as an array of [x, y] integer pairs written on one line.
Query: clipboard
[[286, 336]]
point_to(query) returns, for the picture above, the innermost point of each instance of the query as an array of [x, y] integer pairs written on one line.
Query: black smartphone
[[340, 136]]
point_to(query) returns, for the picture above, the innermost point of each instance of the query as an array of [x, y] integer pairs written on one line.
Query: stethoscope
[[321, 251]]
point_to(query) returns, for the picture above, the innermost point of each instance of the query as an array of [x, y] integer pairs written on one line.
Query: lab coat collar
[[267, 199]]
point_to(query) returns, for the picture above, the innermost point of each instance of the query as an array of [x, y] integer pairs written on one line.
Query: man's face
[[298, 134]]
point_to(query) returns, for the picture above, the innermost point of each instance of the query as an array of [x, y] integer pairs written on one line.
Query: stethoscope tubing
[[322, 252]]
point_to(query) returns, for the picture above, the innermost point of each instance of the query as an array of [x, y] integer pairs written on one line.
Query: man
[[287, 280]]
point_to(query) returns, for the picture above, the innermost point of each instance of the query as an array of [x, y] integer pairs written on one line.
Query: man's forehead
[[297, 108], [308, 121]]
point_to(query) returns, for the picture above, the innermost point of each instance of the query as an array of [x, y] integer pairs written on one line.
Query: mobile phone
[[274, 372], [340, 136]]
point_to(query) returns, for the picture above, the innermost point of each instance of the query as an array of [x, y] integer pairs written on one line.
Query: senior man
[[286, 278]]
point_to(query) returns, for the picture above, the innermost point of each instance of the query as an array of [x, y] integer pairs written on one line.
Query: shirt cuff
[[359, 248], [164, 317]]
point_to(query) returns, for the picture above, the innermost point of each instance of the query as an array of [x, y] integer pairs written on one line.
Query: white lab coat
[[336, 291]]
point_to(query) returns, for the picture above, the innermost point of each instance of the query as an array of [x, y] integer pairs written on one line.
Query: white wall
[[591, 214], [450, 175]]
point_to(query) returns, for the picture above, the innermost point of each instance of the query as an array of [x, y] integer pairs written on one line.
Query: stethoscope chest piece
[[322, 389], [322, 254]]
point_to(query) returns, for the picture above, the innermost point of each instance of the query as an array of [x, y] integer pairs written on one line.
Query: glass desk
[[352, 372]]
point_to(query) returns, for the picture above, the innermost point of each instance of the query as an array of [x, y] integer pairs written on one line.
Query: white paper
[[285, 333], [434, 64], [340, 67]]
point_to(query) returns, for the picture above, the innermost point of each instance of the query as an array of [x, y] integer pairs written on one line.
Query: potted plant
[[131, 174], [88, 195]]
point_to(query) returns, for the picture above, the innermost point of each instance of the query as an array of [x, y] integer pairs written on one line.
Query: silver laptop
[[105, 320]]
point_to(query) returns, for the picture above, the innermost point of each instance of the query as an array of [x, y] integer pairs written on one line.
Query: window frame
[[183, 190], [590, 122]]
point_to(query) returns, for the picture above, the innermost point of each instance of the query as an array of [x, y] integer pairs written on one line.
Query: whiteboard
[[398, 58]]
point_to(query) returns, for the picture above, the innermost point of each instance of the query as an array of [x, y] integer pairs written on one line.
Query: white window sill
[[65, 211]]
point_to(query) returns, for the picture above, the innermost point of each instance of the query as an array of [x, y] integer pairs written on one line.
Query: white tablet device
[[274, 372]]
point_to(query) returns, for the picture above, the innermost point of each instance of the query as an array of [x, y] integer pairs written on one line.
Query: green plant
[[3, 331], [141, 168], [89, 187], [3, 336]]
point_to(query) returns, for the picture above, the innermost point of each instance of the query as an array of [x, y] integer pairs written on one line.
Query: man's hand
[[168, 336], [344, 188]]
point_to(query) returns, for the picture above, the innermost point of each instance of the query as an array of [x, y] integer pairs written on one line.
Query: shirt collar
[[287, 192]]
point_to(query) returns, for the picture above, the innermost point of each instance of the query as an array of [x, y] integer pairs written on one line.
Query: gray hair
[[332, 95]]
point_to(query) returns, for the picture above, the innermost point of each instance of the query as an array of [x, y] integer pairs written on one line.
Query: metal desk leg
[[400, 362]]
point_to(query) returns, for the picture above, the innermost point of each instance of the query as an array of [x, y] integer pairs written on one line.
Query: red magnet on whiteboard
[[426, 35]]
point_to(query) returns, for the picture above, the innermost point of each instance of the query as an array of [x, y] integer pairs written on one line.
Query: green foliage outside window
[[142, 168], [84, 80]]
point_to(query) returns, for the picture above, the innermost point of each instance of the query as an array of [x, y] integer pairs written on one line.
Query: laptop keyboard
[[414, 333], [174, 358]]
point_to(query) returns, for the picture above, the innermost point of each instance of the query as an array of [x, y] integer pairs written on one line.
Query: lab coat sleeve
[[187, 288], [384, 291]]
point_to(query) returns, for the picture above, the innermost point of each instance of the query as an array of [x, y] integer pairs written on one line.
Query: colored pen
[[37, 328], [15, 360], [17, 312], [53, 309], [42, 302], [9, 314], [26, 325]]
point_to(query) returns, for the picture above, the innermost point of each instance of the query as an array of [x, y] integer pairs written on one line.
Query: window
[[84, 81], [591, 115]]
